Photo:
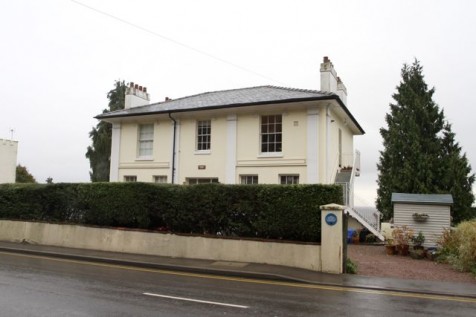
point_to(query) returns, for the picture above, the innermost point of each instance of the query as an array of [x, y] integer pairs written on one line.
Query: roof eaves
[[111, 115]]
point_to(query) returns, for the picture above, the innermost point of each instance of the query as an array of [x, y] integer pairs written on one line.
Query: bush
[[350, 267], [458, 246], [260, 211]]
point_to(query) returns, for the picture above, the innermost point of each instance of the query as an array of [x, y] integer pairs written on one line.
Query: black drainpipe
[[173, 147]]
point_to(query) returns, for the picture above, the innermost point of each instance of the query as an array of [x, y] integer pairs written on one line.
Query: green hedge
[[289, 212]]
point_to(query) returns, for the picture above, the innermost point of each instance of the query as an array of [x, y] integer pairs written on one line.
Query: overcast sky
[[59, 59]]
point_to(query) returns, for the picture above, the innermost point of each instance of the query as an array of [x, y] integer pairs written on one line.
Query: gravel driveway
[[372, 260]]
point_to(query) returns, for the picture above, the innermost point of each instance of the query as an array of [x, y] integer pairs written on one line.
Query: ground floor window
[[249, 179], [289, 179], [130, 178], [200, 180], [160, 179]]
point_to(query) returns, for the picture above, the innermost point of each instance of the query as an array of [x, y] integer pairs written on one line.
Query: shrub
[[261, 211], [458, 246], [350, 267]]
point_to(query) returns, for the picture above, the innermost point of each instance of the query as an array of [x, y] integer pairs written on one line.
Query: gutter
[[173, 146]]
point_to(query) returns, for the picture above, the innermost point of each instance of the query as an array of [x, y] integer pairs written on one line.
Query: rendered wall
[[306, 256], [243, 133], [8, 160]]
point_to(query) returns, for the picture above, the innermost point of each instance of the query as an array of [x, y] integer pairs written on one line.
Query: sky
[[59, 58]]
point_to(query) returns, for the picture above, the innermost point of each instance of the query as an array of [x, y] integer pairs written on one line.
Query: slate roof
[[259, 95], [429, 199]]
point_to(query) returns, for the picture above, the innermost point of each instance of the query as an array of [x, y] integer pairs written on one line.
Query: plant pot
[[403, 249], [417, 254], [391, 249], [355, 240]]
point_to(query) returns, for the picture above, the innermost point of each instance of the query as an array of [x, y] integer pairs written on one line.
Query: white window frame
[[130, 178], [160, 179], [203, 141], [289, 179], [201, 180], [145, 142], [248, 179], [271, 134]]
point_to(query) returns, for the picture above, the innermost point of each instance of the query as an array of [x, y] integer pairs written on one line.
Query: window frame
[[156, 178], [203, 136], [130, 178], [271, 134], [142, 140], [201, 180], [244, 179], [295, 179]]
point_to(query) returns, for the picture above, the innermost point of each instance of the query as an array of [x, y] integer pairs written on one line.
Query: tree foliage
[[23, 176], [420, 152], [99, 153]]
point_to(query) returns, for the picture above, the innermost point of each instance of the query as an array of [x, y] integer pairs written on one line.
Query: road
[[40, 286]]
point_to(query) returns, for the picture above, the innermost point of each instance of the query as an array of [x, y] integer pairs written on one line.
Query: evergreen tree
[[23, 175], [456, 177], [420, 154], [99, 153]]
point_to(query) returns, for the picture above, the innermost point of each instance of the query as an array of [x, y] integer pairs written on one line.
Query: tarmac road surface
[[40, 286]]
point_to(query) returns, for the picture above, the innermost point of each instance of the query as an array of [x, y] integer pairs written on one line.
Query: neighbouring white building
[[8, 160], [265, 135]]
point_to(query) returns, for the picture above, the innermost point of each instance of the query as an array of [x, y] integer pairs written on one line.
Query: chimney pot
[[131, 84], [136, 86], [326, 59], [145, 89], [140, 88]]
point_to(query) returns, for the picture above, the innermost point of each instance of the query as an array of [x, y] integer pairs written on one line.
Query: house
[[8, 160], [256, 135], [429, 214]]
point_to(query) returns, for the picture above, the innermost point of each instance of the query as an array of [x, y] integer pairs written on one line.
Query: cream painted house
[[264, 135], [8, 160]]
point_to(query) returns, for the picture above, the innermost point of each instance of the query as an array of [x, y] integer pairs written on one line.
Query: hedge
[[288, 212]]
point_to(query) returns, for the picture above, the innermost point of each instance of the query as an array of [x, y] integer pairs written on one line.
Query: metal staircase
[[373, 225], [345, 176]]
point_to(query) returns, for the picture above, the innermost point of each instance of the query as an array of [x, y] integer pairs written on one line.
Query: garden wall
[[306, 256]]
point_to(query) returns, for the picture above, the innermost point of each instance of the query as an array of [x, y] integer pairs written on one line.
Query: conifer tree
[[99, 153], [457, 178], [420, 154]]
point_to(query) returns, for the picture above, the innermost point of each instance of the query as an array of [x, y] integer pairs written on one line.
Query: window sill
[[203, 152], [145, 158], [270, 154]]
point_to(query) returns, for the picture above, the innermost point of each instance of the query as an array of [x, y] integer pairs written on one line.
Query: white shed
[[429, 214]]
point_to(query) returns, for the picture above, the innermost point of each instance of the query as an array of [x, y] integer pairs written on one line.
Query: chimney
[[330, 82], [136, 96], [341, 91]]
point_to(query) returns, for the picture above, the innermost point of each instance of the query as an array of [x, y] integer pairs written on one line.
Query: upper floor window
[[289, 179], [271, 133], [146, 140], [204, 130]]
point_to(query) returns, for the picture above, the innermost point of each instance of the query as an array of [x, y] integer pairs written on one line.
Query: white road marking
[[195, 300]]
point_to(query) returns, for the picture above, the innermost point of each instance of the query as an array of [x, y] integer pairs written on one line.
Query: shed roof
[[429, 199], [260, 95]]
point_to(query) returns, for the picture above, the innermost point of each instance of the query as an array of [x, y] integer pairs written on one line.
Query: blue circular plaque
[[331, 219]]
